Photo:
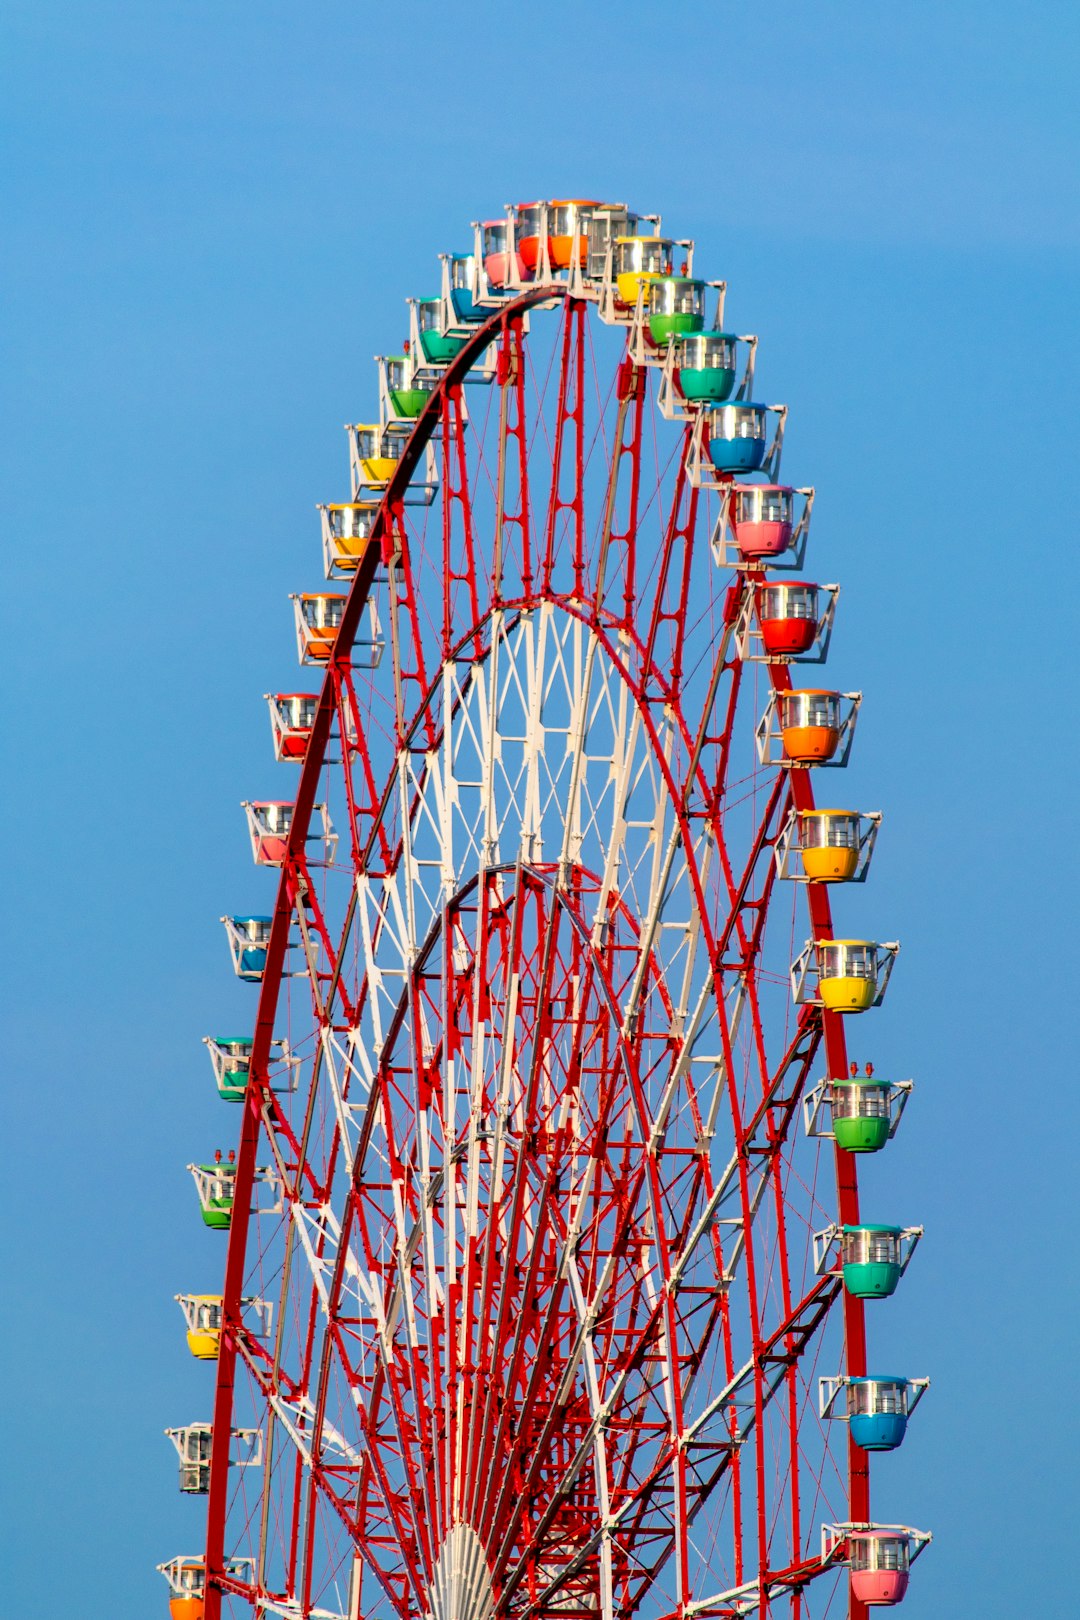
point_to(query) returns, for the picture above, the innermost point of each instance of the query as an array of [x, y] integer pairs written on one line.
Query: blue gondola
[[462, 281], [878, 1411], [248, 938], [738, 436]]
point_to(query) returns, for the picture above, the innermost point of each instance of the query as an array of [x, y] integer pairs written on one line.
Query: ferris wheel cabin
[[460, 281], [861, 1114], [788, 616], [216, 1186], [762, 518], [374, 456], [852, 973], [705, 364], [187, 1587], [829, 844], [676, 308], [502, 265], [875, 1406], [438, 345], [569, 220], [810, 726], [193, 1448], [318, 616], [248, 938], [548, 230], [878, 1410], [292, 715], [407, 398], [640, 260], [528, 220], [607, 224], [230, 1056], [202, 1313], [880, 1563], [738, 436], [810, 722], [874, 1258], [186, 1576], [269, 823], [347, 529]]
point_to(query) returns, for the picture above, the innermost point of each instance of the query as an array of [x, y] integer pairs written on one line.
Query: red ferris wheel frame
[[764, 1132]]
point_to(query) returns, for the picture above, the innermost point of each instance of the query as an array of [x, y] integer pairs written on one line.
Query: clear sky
[[213, 210]]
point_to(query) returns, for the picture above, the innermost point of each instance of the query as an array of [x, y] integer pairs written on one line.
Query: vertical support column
[[363, 811], [570, 412], [630, 389], [847, 1186], [673, 584], [459, 557], [407, 647], [510, 376]]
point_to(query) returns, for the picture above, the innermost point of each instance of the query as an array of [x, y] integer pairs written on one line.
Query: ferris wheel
[[547, 1273]]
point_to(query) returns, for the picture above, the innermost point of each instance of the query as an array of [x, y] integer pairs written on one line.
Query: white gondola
[[193, 1445]]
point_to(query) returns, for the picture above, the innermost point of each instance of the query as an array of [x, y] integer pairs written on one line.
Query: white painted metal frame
[[392, 436], [250, 1438], [261, 1309], [834, 1536], [259, 832], [338, 565], [265, 1178], [830, 1385], [240, 1568]]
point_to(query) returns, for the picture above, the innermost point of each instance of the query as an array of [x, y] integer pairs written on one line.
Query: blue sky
[[213, 212]]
